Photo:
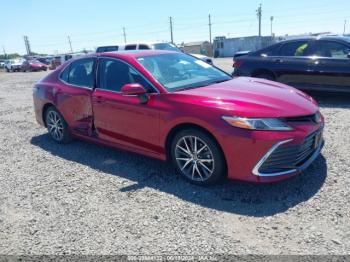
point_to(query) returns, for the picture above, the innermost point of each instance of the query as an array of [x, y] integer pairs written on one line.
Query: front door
[[333, 66], [123, 119]]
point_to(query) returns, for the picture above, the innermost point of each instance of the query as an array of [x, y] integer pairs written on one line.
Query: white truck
[[13, 65]]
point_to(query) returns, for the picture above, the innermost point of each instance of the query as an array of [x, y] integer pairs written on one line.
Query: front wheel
[[57, 126], [197, 157]]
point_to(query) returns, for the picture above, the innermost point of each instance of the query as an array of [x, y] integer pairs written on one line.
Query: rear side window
[[296, 48], [130, 47], [80, 73], [65, 74]]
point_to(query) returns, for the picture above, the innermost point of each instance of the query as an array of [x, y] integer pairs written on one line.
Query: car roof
[[321, 37], [136, 53]]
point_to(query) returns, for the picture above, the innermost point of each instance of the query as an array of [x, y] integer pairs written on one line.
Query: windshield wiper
[[218, 81], [203, 85]]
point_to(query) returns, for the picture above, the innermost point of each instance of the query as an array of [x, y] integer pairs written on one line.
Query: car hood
[[253, 97]]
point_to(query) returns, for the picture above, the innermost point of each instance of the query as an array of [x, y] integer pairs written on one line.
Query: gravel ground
[[87, 199]]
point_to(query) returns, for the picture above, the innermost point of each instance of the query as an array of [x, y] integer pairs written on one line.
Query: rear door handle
[[278, 60]]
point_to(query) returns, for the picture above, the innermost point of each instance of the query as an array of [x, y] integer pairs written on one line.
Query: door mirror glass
[[133, 89]]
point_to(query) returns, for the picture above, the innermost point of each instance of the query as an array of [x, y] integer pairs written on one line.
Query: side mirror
[[349, 55], [135, 89]]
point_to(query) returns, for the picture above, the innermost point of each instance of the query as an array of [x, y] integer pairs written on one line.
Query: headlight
[[317, 117], [273, 124]]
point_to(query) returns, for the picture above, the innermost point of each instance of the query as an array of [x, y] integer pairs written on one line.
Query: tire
[[7, 70], [203, 164], [268, 76], [57, 126]]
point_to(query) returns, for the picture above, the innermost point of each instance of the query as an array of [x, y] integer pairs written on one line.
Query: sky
[[91, 23]]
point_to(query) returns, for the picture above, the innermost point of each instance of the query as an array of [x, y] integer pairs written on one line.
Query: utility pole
[[124, 34], [271, 19], [3, 49], [259, 14], [27, 44], [210, 39], [70, 44], [171, 29], [344, 28]]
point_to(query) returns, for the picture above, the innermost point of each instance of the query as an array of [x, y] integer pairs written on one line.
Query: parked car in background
[[172, 106], [240, 53], [44, 60], [321, 63], [13, 65], [33, 65], [55, 62], [109, 48], [149, 46], [2, 63]]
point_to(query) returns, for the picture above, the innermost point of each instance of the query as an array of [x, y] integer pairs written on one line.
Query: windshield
[[179, 71], [166, 46]]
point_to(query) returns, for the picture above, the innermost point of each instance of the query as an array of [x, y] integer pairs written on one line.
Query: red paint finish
[[123, 122]]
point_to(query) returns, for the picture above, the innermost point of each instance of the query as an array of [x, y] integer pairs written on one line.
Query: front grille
[[290, 157], [309, 118]]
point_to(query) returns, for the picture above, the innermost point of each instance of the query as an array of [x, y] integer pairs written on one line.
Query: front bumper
[[292, 170], [246, 152]]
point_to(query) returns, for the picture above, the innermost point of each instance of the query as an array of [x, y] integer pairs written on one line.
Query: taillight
[[237, 63]]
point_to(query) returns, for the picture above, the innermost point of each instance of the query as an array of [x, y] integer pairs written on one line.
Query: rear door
[[123, 119], [73, 97], [332, 67], [293, 66]]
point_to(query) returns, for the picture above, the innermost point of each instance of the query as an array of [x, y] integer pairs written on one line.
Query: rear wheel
[[57, 126], [197, 157]]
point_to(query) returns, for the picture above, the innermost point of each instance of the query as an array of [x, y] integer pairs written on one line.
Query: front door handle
[[278, 60]]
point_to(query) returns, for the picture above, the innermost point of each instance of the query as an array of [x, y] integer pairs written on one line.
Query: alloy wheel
[[194, 158], [55, 125]]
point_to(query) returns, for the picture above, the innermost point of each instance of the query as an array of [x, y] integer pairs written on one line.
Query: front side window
[[179, 71], [297, 48], [80, 73], [331, 50], [113, 74]]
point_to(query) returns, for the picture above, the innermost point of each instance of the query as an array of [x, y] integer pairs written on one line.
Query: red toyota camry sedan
[[172, 106]]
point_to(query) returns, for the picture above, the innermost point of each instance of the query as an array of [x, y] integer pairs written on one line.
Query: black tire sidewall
[[66, 132], [220, 169]]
